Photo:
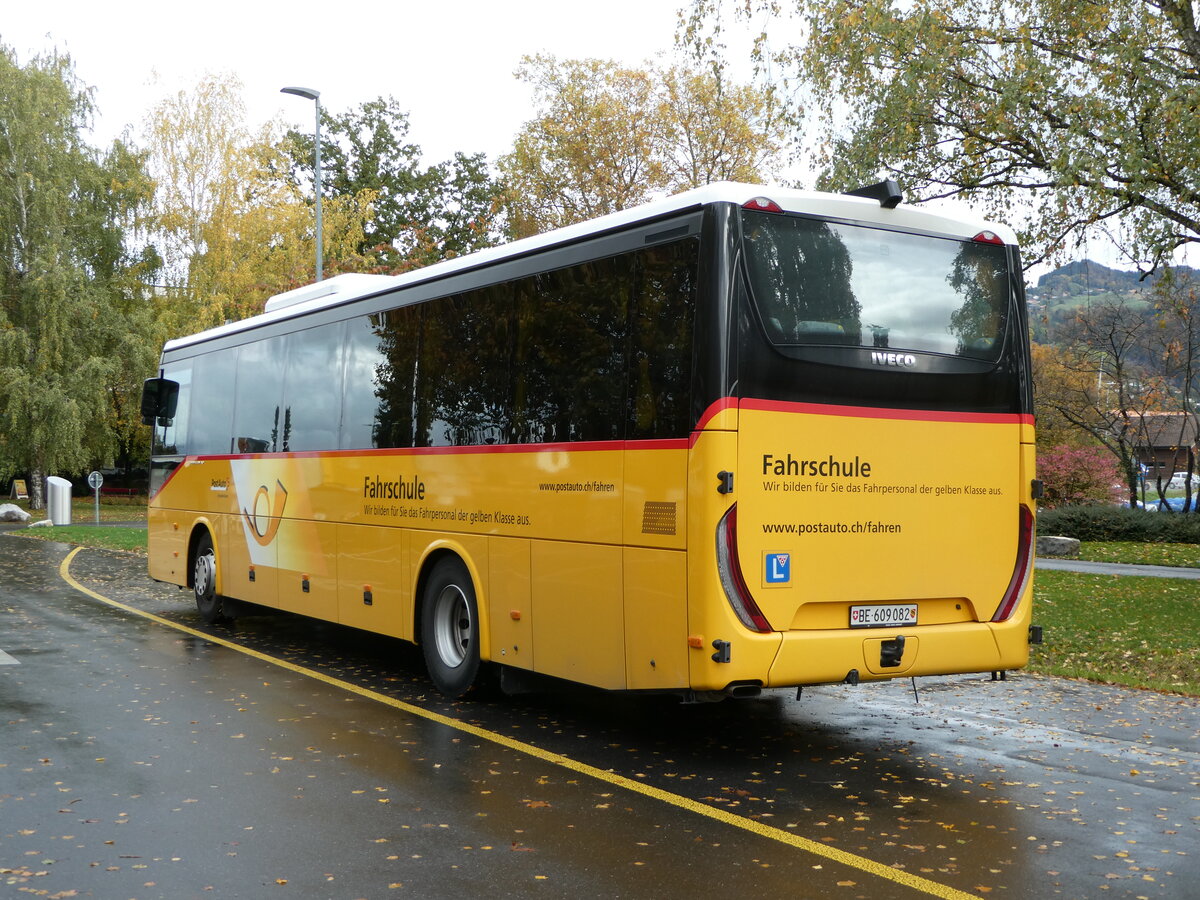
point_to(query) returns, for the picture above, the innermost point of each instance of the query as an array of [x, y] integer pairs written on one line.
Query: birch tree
[[233, 227], [72, 330]]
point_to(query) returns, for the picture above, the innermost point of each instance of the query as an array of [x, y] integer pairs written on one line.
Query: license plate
[[890, 615]]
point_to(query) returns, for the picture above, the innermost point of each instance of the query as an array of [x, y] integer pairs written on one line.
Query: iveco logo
[[900, 360]]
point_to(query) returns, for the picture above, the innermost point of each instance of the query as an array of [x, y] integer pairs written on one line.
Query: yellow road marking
[[851, 860]]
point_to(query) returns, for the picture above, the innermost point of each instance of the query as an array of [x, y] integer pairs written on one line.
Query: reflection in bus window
[[820, 282], [259, 424], [313, 388], [599, 351], [212, 407]]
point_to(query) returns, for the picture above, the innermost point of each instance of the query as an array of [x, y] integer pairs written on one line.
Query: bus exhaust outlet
[[744, 691], [736, 690]]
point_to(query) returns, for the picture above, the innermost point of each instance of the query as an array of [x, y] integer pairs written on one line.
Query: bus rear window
[[826, 283]]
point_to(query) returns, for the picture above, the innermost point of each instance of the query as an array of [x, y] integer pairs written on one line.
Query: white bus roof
[[342, 288]]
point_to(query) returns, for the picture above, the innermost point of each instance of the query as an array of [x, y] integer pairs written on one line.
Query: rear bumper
[[821, 657]]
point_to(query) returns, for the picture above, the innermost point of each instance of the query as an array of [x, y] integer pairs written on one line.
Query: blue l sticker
[[779, 568]]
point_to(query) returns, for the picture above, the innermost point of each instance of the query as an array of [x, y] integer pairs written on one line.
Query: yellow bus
[[740, 438]]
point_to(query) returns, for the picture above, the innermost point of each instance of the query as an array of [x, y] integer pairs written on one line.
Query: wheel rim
[[205, 566], [452, 625]]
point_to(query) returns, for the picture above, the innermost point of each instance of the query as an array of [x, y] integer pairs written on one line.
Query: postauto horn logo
[[266, 512]]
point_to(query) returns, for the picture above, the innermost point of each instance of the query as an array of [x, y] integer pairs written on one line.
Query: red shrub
[[1080, 475]]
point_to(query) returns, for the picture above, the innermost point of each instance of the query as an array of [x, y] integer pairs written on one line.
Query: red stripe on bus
[[715, 409]]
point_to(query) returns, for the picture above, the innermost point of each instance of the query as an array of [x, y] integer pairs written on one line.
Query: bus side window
[[401, 341], [260, 424], [211, 419], [462, 387], [366, 371], [572, 345], [313, 388], [661, 322]]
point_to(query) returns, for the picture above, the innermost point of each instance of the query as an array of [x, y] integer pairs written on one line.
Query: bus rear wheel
[[450, 628], [209, 603]]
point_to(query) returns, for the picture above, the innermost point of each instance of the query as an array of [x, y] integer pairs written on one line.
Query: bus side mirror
[[160, 397]]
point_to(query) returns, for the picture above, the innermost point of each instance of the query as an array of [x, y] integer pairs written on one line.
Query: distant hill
[[1058, 294], [1073, 283]]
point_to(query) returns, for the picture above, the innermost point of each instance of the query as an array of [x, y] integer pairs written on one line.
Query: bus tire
[[209, 603], [450, 628]]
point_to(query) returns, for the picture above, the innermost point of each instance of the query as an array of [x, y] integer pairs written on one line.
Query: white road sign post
[[95, 480]]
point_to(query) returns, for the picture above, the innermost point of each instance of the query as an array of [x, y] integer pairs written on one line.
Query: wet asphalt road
[[137, 760]]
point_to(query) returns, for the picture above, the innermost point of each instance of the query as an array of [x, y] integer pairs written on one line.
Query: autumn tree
[[716, 131], [1061, 382], [1099, 382], [421, 213], [233, 229], [263, 242], [1055, 113], [73, 320], [607, 137]]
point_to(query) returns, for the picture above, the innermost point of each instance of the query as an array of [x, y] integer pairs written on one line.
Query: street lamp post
[[315, 96]]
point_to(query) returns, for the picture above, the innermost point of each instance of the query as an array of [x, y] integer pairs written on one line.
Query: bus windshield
[[817, 282]]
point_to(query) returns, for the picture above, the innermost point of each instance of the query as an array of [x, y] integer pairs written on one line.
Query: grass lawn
[[1141, 553], [1139, 632], [82, 529], [105, 537]]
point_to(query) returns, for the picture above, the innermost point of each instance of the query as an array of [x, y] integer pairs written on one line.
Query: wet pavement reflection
[[141, 761]]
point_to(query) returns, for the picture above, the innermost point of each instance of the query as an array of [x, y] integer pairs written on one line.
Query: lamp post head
[[310, 93]]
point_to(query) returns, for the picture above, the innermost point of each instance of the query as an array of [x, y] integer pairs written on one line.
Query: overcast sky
[[449, 63]]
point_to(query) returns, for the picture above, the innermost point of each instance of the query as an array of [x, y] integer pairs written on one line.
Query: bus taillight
[[730, 569], [988, 237], [1024, 564]]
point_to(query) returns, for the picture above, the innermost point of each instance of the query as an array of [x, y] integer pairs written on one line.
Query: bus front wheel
[[450, 628], [209, 603]]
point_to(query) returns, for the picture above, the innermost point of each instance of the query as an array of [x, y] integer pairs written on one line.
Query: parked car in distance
[[1179, 479]]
